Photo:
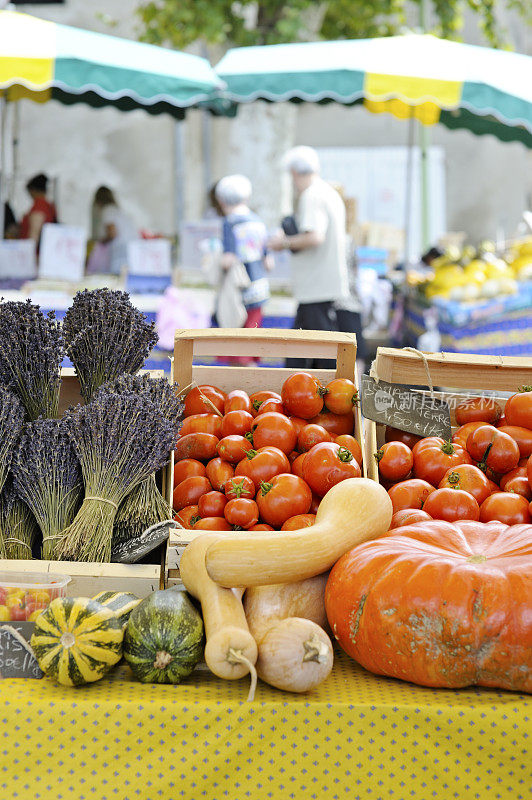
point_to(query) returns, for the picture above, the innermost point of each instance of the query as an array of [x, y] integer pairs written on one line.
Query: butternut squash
[[352, 512], [287, 621], [230, 647]]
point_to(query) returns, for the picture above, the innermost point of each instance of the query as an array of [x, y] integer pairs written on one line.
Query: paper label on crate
[[16, 656], [401, 407]]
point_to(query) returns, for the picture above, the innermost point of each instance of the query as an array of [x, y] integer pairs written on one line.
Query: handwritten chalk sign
[[133, 550], [63, 251], [400, 407], [16, 656]]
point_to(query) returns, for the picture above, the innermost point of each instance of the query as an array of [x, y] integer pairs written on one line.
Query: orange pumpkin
[[439, 604]]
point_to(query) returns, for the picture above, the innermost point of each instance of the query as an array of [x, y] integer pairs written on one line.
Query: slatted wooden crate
[[88, 578], [263, 343], [457, 375]]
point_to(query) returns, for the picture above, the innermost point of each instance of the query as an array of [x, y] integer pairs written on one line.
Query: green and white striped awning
[[43, 60], [434, 80]]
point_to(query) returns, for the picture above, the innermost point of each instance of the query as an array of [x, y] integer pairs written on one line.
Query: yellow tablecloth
[[356, 736]]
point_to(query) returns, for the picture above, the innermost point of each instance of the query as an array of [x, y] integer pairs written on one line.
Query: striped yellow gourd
[[77, 640]]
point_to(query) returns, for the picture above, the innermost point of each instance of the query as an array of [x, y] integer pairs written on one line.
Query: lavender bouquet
[[105, 336], [47, 477], [145, 506], [31, 352], [11, 419], [18, 528], [120, 440]]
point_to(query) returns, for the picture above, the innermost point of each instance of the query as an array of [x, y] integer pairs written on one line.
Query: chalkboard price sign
[[400, 407], [133, 550], [16, 656]]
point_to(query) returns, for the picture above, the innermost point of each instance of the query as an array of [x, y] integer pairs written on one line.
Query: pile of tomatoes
[[263, 461], [484, 473]]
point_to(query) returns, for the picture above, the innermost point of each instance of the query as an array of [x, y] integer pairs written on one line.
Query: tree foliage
[[179, 23]]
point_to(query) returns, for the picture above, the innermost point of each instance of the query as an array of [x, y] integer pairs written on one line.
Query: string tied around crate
[[373, 369]]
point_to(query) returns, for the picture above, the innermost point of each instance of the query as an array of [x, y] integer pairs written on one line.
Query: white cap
[[302, 160], [233, 189]]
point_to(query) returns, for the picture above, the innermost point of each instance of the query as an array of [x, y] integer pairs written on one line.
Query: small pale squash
[[77, 640]]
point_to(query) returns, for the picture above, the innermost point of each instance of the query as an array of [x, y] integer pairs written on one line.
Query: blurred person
[[318, 262], [11, 226], [244, 240], [41, 211], [111, 227]]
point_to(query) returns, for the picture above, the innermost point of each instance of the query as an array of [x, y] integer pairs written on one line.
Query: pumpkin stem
[[68, 639], [162, 659], [315, 650], [238, 657]]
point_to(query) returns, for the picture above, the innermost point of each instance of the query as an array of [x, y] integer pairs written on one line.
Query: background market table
[[356, 736]]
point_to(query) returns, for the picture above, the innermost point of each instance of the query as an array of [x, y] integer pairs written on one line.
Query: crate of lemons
[[475, 274], [78, 640]]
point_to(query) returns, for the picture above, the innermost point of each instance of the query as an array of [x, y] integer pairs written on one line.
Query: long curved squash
[[352, 512]]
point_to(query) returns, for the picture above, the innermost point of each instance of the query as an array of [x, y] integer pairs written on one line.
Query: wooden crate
[[88, 578], [262, 343], [457, 376]]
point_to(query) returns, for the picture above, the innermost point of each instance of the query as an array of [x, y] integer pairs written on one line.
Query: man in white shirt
[[319, 269]]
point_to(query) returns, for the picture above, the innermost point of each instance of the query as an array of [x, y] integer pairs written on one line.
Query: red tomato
[[237, 400], [409, 494], [263, 465], [326, 465], [336, 424], [202, 423], [311, 435], [519, 485], [451, 505], [274, 430], [494, 487], [18, 613], [523, 437], [283, 497], [431, 461], [200, 446], [242, 512], [468, 478], [518, 409], [219, 472], [341, 395], [518, 472], [302, 395], [529, 470], [199, 399], [212, 524], [510, 509], [212, 504], [478, 409], [271, 404], [316, 500], [501, 421], [493, 449], [461, 435], [257, 398], [233, 448], [293, 455], [395, 461], [188, 516], [261, 527], [297, 465], [351, 444], [409, 516], [189, 491], [241, 486], [188, 468], [298, 423], [395, 435], [236, 423], [298, 522]]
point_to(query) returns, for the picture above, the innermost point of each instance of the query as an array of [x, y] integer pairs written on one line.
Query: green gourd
[[163, 640]]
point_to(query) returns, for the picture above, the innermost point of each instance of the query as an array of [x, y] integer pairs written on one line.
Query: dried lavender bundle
[[120, 440], [11, 419], [105, 336], [18, 528], [145, 506], [47, 476], [31, 352]]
